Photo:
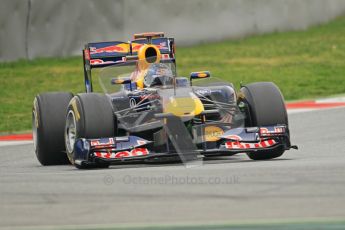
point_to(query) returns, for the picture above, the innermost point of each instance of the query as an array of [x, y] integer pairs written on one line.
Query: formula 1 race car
[[149, 114]]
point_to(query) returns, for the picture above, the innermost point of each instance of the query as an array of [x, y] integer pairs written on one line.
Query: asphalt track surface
[[301, 186]]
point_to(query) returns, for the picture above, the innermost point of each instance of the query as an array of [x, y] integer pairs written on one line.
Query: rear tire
[[89, 115], [265, 107], [48, 122]]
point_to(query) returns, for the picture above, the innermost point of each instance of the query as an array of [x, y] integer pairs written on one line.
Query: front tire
[[48, 121], [89, 115], [266, 107]]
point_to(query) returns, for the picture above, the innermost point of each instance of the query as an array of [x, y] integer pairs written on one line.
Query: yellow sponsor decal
[[183, 106], [202, 75], [75, 109], [213, 133]]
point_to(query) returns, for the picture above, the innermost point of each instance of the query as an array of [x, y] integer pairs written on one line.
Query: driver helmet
[[158, 74]]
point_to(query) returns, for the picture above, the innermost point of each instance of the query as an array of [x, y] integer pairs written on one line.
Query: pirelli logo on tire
[[75, 108]]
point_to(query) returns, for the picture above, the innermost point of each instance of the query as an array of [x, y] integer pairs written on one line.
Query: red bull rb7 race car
[[147, 113]]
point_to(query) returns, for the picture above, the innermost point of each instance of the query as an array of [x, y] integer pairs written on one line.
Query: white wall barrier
[[41, 28]]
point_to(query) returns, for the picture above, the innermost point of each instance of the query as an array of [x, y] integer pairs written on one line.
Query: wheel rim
[[34, 128], [70, 134]]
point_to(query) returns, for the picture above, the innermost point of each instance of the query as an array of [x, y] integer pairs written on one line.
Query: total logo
[[213, 133]]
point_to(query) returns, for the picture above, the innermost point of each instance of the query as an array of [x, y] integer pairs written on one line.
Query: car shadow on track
[[206, 161], [214, 160]]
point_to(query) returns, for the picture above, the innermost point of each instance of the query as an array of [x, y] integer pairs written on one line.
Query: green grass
[[307, 64]]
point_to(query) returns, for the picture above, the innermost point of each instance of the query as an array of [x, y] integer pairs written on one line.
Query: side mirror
[[126, 81], [121, 80], [199, 75]]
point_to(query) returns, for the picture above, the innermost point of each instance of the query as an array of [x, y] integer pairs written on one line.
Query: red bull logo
[[123, 154], [100, 62], [136, 47], [121, 48]]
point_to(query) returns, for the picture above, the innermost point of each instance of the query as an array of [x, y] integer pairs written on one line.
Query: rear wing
[[102, 54]]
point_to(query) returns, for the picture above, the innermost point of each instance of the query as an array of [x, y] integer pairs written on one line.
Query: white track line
[[293, 111], [11, 143]]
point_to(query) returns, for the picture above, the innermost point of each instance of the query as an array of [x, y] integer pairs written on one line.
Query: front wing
[[115, 150]]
